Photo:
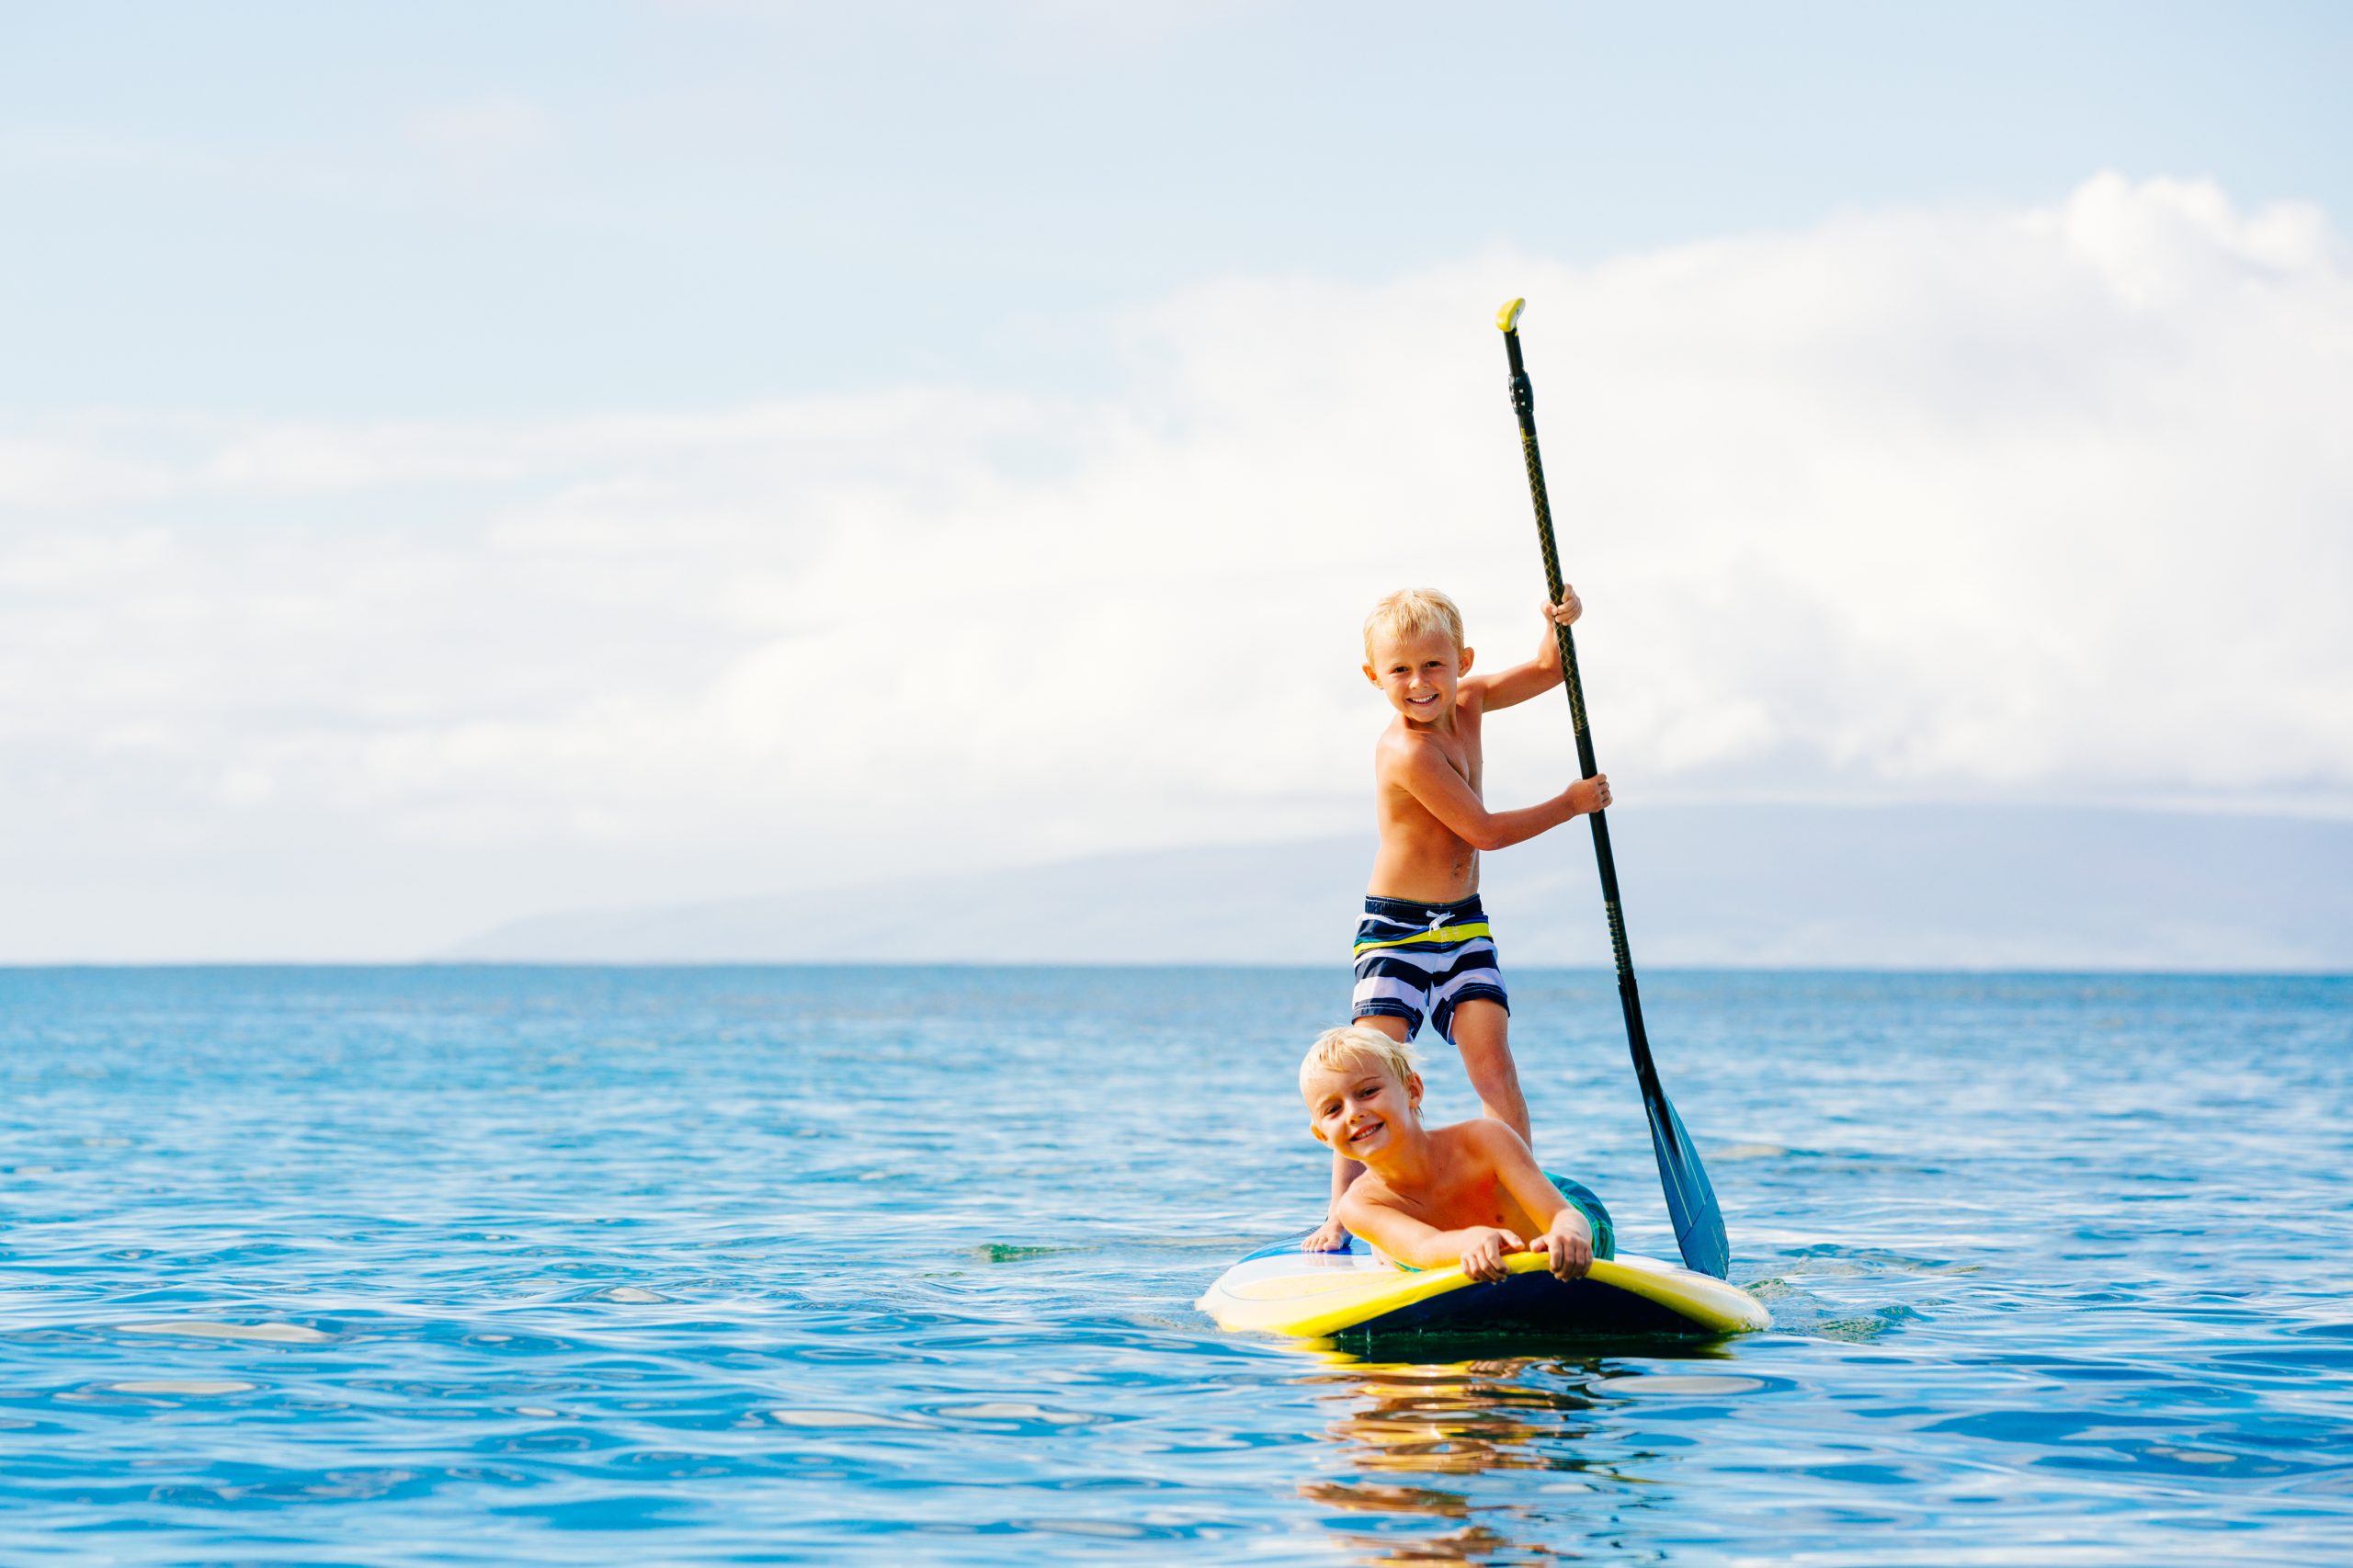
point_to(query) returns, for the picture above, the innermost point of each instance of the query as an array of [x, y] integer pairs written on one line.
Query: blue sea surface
[[483, 1266]]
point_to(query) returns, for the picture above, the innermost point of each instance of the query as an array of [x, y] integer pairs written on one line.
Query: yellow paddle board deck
[[1316, 1295]]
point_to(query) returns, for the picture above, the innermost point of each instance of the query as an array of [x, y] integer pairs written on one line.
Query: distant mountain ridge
[[1893, 887]]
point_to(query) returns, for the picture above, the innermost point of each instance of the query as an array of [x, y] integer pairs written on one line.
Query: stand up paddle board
[[1356, 1292]]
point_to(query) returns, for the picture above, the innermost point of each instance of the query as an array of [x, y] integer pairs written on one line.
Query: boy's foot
[[1330, 1236]]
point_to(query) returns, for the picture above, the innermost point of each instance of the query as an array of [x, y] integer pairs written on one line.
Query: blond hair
[[1412, 612], [1334, 1049]]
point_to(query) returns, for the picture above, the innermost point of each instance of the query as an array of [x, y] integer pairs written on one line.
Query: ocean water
[[460, 1266]]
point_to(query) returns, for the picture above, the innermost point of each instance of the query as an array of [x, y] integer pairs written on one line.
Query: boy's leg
[[1483, 1034]]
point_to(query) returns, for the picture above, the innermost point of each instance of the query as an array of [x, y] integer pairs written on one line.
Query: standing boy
[[1424, 947]]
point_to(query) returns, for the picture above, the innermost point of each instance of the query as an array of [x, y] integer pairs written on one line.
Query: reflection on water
[[1457, 1427], [1464, 1420]]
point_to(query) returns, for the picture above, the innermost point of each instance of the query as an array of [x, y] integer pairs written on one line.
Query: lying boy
[[1424, 946], [1431, 1196]]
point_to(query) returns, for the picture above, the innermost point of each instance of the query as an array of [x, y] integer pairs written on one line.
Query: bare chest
[[1461, 749], [1475, 1201]]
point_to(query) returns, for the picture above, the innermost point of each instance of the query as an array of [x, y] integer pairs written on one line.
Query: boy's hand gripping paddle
[[1690, 1200]]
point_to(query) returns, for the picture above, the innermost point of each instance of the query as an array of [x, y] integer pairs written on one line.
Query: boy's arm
[[1507, 689], [1331, 1235], [1480, 1249], [1423, 774], [1568, 1241]]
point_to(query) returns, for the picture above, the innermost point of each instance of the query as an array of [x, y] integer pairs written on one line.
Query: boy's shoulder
[[1368, 1191], [1400, 742], [1480, 1138]]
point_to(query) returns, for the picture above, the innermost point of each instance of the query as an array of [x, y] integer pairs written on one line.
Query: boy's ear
[[1371, 675], [1414, 1090], [1468, 654], [1316, 1132]]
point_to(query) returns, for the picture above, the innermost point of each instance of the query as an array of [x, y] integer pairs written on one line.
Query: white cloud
[[2045, 504]]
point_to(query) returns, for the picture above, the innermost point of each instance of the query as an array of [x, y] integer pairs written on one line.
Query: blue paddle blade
[[1691, 1198]]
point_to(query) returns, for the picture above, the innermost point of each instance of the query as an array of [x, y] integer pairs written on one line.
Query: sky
[[458, 462]]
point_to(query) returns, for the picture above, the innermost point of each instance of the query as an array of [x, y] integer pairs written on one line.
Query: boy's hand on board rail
[[1568, 1250], [1588, 795], [1329, 1236], [1483, 1258]]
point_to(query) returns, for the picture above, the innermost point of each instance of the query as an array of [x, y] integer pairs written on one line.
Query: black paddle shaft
[[1523, 403], [1691, 1197]]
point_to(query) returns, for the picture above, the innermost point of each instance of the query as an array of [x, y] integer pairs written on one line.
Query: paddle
[[1690, 1200]]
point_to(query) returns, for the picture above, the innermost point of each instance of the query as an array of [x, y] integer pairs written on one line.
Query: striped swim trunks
[[1414, 959]]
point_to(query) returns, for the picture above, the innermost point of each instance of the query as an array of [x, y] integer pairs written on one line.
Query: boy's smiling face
[[1418, 671], [1358, 1106]]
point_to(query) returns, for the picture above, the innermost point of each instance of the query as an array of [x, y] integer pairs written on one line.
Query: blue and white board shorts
[[1417, 958]]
